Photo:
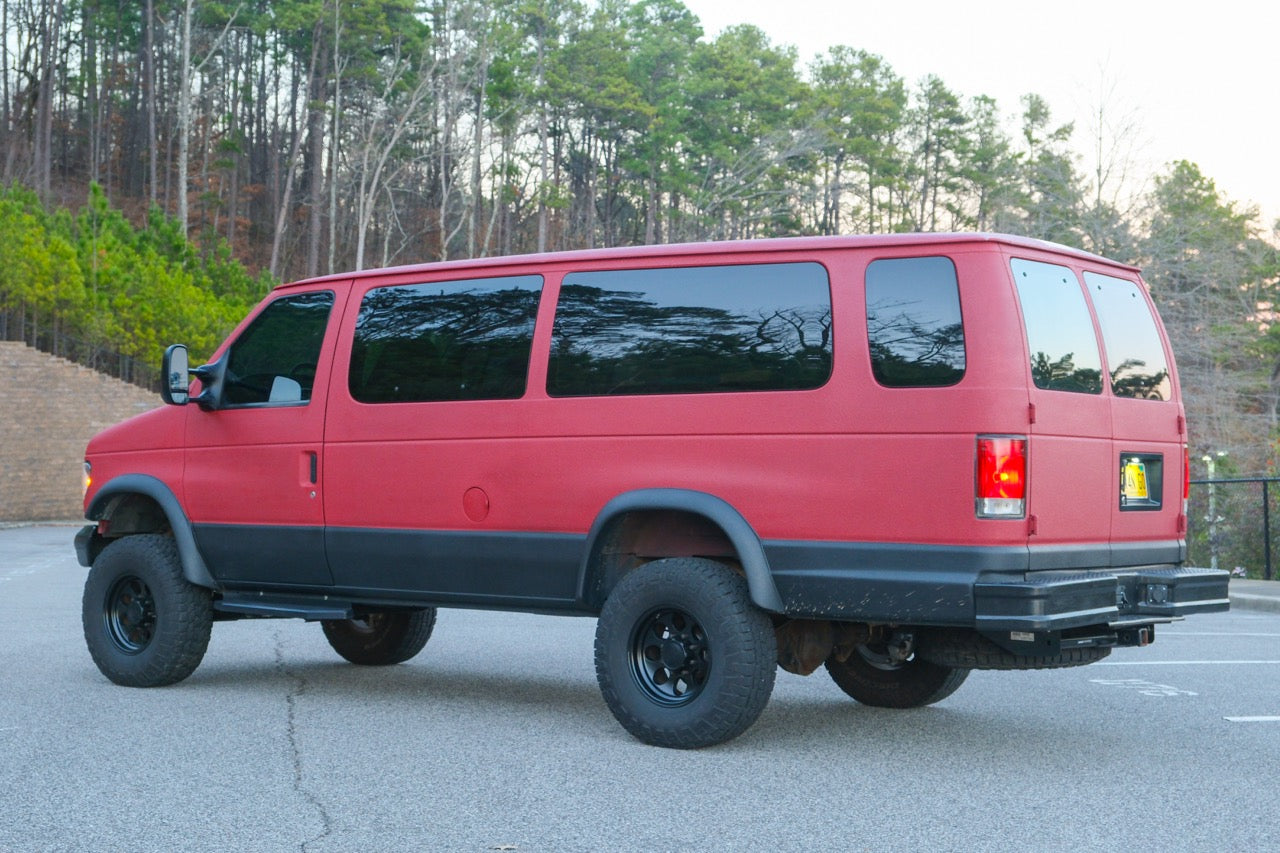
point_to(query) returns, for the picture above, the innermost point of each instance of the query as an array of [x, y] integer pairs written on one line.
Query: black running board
[[265, 605]]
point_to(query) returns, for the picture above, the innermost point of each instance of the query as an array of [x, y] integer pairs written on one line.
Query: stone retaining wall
[[49, 409]]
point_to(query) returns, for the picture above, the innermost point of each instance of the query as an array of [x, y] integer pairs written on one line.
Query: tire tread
[[184, 613], [745, 652]]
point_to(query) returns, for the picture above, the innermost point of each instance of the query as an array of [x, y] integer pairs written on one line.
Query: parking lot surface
[[496, 738]]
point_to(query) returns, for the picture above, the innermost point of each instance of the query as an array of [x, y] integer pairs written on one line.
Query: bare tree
[[185, 95]]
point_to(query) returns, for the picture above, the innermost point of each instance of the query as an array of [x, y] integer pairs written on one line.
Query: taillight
[[1186, 477], [1001, 486]]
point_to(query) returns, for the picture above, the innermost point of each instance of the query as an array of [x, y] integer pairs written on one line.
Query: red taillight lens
[[1001, 486], [1186, 477]]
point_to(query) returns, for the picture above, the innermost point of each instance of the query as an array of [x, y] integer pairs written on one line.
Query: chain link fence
[[1229, 525]]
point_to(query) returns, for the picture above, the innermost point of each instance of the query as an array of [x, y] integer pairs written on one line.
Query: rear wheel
[[144, 623], [874, 677], [381, 638], [684, 659]]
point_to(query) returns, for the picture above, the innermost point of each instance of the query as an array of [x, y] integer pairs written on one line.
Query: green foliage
[[1215, 280], [406, 130], [105, 282]]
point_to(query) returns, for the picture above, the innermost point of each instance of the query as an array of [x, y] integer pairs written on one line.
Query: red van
[[902, 457]]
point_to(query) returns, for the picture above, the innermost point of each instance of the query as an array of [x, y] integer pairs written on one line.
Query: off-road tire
[[144, 623], [683, 657], [971, 650], [868, 676], [381, 638]]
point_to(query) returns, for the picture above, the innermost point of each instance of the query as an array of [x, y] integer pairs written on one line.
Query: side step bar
[[265, 605]]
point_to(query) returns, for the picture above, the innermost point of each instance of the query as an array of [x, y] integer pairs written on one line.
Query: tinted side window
[[453, 340], [758, 327], [274, 359], [1064, 349], [1135, 355], [913, 322]]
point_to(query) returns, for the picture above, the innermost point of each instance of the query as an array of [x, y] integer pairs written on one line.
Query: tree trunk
[[184, 113], [149, 90], [282, 212]]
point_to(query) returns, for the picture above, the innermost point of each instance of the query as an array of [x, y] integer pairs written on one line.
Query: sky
[[1175, 81]]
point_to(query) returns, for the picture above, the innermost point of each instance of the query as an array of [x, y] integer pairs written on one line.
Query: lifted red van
[[902, 457]]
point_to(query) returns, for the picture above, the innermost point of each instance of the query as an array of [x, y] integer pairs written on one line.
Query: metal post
[[1212, 517], [1266, 526]]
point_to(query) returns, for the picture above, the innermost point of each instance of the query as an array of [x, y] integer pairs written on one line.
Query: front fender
[[193, 565]]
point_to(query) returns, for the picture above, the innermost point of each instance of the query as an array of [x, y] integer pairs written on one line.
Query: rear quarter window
[[914, 326], [1060, 337], [752, 327]]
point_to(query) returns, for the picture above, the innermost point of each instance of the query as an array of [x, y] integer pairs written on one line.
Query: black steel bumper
[[84, 540], [1055, 601], [993, 589]]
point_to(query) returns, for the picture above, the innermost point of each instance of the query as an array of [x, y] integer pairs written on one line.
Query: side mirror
[[177, 381], [211, 378]]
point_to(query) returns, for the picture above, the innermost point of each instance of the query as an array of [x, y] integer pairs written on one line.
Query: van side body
[[901, 446]]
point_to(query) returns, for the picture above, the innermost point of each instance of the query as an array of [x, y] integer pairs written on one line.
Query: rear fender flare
[[750, 551]]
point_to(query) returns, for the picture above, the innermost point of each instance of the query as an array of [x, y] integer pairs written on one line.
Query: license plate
[[1135, 481]]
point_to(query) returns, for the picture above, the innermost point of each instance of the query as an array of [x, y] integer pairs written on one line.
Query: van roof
[[667, 250]]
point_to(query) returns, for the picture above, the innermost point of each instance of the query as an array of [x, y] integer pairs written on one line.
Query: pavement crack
[[297, 689]]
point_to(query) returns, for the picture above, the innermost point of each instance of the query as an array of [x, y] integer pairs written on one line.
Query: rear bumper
[[991, 589], [1054, 601]]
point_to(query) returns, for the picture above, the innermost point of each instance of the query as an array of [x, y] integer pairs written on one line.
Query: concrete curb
[[1247, 601]]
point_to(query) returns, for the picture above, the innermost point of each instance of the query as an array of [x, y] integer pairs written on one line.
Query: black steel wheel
[[683, 657], [381, 638], [144, 623], [129, 612], [874, 677], [670, 659]]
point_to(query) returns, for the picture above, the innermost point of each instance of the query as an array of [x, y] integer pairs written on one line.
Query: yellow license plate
[[1135, 481]]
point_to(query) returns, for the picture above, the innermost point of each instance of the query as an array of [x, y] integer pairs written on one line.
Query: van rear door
[[1071, 479], [1148, 425]]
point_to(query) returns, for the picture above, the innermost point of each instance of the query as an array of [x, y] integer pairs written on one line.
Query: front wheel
[[684, 659], [381, 638], [144, 623], [874, 677]]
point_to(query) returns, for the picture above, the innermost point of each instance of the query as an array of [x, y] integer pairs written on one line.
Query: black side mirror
[[177, 382], [211, 379]]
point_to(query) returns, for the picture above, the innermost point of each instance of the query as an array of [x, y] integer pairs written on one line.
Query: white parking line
[[1185, 662], [1252, 719], [1146, 688], [1170, 634]]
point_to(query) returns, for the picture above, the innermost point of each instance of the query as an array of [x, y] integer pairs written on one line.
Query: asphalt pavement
[[496, 738]]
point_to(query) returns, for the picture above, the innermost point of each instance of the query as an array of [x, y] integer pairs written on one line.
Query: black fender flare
[[755, 565], [193, 565]]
